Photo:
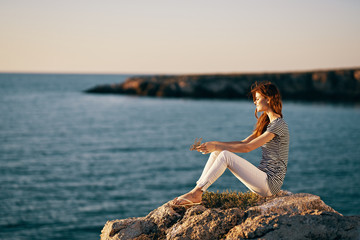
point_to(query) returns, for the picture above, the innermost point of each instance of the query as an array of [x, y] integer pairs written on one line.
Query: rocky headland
[[326, 85], [284, 216]]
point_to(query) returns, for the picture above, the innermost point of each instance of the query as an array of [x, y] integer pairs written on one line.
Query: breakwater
[[322, 85]]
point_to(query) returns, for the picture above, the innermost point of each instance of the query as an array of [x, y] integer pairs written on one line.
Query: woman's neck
[[272, 116]]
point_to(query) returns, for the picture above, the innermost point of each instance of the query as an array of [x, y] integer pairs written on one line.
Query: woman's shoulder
[[278, 126], [281, 122], [278, 121]]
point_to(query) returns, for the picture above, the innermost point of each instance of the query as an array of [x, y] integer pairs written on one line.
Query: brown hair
[[271, 93]]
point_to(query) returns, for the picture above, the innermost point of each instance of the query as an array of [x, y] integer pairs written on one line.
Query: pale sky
[[184, 36]]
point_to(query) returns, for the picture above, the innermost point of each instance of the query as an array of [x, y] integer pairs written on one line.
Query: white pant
[[247, 173]]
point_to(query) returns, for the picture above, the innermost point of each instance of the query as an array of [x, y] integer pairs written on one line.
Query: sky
[[178, 37]]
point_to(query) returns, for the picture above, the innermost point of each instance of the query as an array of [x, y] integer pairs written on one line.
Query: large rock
[[316, 225], [285, 216], [331, 85]]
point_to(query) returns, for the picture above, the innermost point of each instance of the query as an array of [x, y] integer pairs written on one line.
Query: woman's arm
[[246, 140], [249, 138], [247, 145]]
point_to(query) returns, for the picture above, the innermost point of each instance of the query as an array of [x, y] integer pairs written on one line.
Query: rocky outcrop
[[286, 216], [331, 85]]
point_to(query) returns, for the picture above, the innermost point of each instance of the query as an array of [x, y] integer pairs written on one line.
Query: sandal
[[189, 203]]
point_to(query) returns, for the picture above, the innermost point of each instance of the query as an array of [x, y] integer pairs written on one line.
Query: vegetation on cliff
[[230, 199]]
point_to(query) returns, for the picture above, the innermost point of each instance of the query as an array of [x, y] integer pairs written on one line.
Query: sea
[[71, 161]]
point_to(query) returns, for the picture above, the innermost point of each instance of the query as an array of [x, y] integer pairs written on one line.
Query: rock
[[201, 223], [155, 223], [292, 204], [330, 85], [285, 216], [128, 228], [312, 226]]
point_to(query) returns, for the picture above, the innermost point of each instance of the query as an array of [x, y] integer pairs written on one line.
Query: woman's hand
[[207, 147]]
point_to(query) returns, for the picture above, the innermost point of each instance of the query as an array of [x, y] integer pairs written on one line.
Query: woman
[[271, 134]]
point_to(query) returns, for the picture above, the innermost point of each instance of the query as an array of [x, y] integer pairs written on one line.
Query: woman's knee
[[215, 153], [225, 156], [225, 153]]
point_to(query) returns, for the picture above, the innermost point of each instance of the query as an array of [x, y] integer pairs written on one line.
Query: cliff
[[285, 216], [330, 85]]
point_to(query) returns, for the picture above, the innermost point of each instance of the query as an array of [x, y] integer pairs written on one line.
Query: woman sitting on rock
[[271, 134]]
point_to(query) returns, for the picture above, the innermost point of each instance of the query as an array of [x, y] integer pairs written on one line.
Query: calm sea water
[[70, 161]]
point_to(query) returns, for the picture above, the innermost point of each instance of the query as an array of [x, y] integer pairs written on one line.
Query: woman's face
[[261, 102]]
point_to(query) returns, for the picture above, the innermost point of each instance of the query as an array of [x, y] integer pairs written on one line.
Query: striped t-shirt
[[275, 154]]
